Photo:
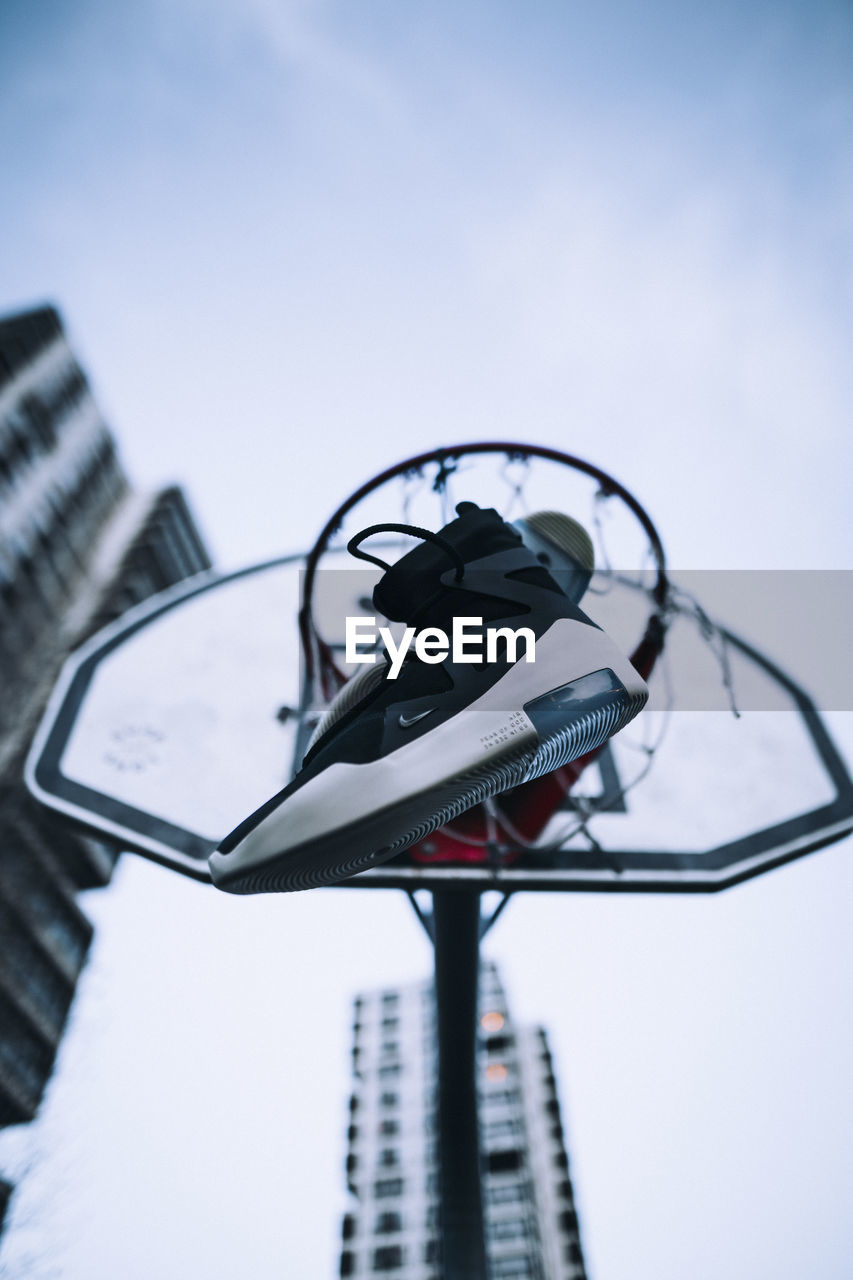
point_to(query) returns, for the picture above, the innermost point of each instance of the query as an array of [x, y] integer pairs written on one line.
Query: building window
[[347, 1263], [388, 1128], [504, 1161], [390, 1024], [389, 1156], [499, 1115], [348, 1226], [389, 1099], [388, 1222], [390, 1000], [496, 1098], [568, 1221], [496, 1129], [387, 1187], [389, 1069], [508, 1193], [388, 1258], [516, 1267], [509, 1229], [39, 421]]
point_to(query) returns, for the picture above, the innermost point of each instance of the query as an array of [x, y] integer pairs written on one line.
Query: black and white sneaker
[[558, 541], [411, 753]]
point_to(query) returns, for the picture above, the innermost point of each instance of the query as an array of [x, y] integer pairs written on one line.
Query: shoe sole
[[562, 724]]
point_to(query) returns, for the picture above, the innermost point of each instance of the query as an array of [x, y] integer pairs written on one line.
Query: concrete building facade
[[77, 547], [392, 1228]]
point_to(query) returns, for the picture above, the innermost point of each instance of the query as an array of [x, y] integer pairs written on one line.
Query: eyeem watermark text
[[432, 644]]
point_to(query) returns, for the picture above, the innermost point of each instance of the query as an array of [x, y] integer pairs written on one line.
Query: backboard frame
[[97, 814]]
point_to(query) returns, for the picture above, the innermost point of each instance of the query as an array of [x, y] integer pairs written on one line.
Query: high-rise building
[[392, 1159], [77, 547]]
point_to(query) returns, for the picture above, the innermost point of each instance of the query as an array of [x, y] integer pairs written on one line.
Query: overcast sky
[[293, 242]]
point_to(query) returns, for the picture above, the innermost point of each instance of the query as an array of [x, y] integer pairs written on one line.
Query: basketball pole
[[456, 934]]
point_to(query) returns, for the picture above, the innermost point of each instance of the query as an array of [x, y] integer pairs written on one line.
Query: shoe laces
[[414, 531]]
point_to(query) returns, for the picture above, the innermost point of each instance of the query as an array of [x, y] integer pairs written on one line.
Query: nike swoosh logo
[[406, 722]]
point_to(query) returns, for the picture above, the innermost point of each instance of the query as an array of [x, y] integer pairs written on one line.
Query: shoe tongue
[[414, 582]]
